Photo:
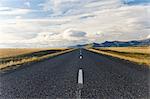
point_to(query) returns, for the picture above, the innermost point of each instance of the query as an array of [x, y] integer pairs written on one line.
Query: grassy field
[[9, 52], [144, 50], [140, 55], [14, 57]]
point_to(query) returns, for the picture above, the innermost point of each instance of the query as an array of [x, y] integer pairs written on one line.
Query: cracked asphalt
[[104, 77]]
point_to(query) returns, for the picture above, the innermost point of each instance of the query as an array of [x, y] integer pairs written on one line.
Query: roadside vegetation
[[9, 52], [16, 57], [140, 55]]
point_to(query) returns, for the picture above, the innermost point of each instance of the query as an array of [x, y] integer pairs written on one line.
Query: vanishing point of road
[[77, 74]]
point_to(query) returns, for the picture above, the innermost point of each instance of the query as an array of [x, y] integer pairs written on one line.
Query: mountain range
[[145, 42]]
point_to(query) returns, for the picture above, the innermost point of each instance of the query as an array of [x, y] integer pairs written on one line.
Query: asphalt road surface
[[104, 77]]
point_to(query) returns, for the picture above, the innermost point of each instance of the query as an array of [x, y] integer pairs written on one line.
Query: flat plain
[[140, 55], [17, 56], [9, 52]]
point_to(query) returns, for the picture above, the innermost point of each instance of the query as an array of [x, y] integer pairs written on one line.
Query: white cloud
[[148, 36], [73, 34], [18, 17], [69, 36], [13, 11], [75, 21], [74, 7], [50, 39]]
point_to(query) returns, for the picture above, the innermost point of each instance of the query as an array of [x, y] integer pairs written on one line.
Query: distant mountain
[[125, 44], [145, 42], [86, 45]]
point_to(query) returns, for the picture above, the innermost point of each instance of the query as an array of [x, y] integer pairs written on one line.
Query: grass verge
[[27, 58], [10, 52], [133, 56]]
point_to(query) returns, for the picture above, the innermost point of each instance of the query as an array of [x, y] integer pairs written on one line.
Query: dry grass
[[140, 55], [18, 59], [145, 50], [9, 52]]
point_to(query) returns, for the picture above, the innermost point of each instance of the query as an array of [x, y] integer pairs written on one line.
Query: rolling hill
[[145, 42]]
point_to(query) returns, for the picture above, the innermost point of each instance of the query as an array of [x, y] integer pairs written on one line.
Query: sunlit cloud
[[72, 22]]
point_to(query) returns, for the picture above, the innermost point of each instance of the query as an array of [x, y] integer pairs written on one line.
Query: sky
[[62, 23]]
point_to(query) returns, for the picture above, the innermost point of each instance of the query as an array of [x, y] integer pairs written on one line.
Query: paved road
[[104, 77]]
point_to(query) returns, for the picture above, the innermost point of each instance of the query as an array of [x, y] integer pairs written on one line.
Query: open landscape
[[9, 52], [74, 49], [17, 56], [140, 55]]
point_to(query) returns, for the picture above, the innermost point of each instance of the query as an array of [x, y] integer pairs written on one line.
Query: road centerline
[[80, 83], [80, 76], [81, 57]]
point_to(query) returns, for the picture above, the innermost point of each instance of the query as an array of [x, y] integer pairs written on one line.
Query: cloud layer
[[60, 23]]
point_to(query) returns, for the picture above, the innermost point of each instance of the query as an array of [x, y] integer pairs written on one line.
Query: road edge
[[12, 67], [115, 56]]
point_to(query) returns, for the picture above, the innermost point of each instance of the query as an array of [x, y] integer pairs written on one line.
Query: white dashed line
[[80, 84], [80, 52], [80, 76], [81, 57]]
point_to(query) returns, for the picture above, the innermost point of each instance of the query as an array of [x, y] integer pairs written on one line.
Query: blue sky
[[134, 2], [61, 23]]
